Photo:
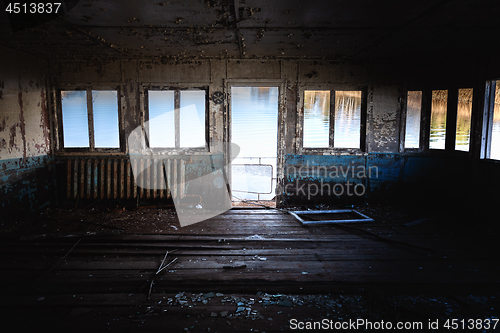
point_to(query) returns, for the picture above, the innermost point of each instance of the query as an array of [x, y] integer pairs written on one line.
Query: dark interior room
[[249, 165]]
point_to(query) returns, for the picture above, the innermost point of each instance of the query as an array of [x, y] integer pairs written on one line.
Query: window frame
[[90, 118], [331, 149], [422, 131], [451, 121], [177, 102], [487, 124], [455, 120]]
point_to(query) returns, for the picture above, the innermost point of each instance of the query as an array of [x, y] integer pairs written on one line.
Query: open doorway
[[254, 128]]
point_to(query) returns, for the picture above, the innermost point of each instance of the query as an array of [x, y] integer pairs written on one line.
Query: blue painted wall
[[388, 176], [26, 184]]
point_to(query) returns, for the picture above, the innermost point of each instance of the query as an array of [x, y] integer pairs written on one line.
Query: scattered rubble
[[263, 309]]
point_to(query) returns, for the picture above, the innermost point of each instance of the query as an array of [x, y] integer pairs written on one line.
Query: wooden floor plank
[[275, 249]]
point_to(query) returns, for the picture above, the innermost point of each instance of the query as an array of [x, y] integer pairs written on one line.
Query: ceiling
[[313, 29]]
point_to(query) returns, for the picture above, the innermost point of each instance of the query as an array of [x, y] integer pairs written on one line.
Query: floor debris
[[308, 273]]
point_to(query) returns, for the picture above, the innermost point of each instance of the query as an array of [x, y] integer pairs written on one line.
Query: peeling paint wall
[[383, 125], [218, 75], [392, 171], [25, 147]]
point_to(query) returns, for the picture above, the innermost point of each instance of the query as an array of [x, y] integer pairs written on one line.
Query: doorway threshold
[[248, 204]]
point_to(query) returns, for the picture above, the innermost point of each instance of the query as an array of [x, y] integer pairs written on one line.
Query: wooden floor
[[245, 251]]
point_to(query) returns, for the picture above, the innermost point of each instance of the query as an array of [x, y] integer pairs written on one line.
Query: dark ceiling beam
[[239, 34], [267, 27]]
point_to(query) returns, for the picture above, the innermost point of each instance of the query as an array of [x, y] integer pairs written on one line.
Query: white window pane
[[254, 129], [105, 111], [192, 118], [254, 114], [413, 111], [75, 119], [464, 114], [161, 119], [438, 119], [495, 135], [347, 130], [316, 119]]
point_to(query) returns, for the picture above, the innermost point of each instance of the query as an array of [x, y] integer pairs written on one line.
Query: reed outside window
[[338, 129], [439, 107], [464, 114]]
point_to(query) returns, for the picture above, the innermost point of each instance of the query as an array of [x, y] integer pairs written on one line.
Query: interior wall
[[25, 148], [394, 172]]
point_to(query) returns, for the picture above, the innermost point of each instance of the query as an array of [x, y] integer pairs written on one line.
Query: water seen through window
[[254, 128], [347, 131], [438, 119], [464, 114], [413, 118]]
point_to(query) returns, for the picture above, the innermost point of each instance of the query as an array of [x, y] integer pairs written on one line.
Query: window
[[316, 118], [347, 119], [439, 107], [413, 117], [75, 119], [324, 129], [495, 128], [161, 119], [176, 118], [90, 122], [491, 125], [464, 114]]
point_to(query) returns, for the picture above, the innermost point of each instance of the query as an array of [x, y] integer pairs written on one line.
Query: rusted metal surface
[[112, 178], [75, 179], [81, 184], [108, 179], [101, 182], [161, 179], [68, 178], [155, 177], [95, 180], [123, 178], [115, 179], [169, 177], [89, 178], [132, 181]]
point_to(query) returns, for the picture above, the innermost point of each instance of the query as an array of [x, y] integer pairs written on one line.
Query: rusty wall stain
[[44, 121], [12, 137], [22, 123]]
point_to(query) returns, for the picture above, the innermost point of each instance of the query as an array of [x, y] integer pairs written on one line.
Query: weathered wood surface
[[275, 248]]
